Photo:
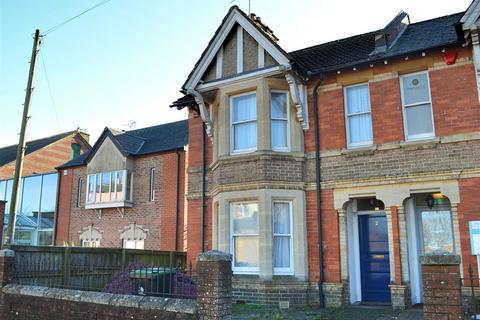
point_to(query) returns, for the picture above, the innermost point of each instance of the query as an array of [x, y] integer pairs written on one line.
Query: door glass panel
[[437, 231]]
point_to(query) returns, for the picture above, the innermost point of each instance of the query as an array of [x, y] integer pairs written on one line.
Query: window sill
[[420, 143], [353, 151], [120, 204], [241, 152]]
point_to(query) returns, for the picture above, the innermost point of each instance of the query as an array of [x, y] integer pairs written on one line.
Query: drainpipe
[[204, 175], [319, 192], [177, 205]]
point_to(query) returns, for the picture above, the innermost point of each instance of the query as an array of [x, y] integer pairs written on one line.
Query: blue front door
[[374, 258]]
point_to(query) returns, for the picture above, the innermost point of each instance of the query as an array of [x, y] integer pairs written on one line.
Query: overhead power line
[[61, 24], [50, 90]]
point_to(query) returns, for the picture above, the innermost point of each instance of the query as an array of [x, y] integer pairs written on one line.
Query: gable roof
[[357, 50], [9, 153], [159, 138], [234, 15], [352, 51]]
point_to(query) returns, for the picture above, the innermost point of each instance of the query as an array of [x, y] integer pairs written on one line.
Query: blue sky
[[126, 60]]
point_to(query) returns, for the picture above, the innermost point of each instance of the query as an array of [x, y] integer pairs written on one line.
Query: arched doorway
[[429, 229], [368, 251]]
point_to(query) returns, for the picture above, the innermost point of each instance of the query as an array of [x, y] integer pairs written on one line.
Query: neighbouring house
[[35, 217], [328, 171], [128, 191]]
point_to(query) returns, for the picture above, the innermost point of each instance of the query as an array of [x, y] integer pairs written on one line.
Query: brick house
[[38, 191], [127, 191], [328, 171]]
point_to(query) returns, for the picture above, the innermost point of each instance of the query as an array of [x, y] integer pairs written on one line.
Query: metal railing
[[121, 271]]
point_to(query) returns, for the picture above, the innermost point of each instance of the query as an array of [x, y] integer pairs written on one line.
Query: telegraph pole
[[22, 142]]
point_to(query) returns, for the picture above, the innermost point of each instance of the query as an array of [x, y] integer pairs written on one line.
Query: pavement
[[255, 312]]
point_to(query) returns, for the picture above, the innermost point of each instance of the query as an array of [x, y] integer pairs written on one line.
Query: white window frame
[[424, 136], [243, 270], [287, 148], [79, 192], [90, 243], [283, 271], [232, 131], [136, 244], [347, 124], [112, 193], [152, 184]]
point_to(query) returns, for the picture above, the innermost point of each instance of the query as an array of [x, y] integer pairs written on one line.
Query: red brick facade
[[48, 158], [159, 217], [468, 211], [456, 110]]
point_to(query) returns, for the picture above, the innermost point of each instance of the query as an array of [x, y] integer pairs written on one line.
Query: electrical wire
[[74, 17], [50, 90]]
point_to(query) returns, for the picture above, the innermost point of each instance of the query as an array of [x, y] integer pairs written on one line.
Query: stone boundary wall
[[31, 302]]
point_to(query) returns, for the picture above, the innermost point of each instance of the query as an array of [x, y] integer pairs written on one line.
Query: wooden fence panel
[[85, 268]]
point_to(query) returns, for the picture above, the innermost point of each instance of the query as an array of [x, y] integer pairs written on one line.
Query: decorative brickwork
[[334, 294], [415, 159], [214, 283], [258, 168], [441, 287], [279, 290]]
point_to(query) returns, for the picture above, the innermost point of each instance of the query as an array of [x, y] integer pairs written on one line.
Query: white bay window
[[282, 238], [417, 106], [245, 236], [279, 116], [108, 189], [243, 123]]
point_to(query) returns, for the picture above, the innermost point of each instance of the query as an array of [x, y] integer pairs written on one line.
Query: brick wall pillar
[[441, 287], [2, 218], [398, 290], [214, 285], [6, 266]]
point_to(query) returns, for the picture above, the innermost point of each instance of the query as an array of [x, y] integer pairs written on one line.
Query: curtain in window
[[245, 235], [282, 234], [358, 115], [279, 120], [244, 120]]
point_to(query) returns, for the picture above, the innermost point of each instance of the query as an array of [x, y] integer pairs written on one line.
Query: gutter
[[319, 192]]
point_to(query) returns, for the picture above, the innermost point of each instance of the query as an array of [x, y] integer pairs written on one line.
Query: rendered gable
[[107, 158]]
